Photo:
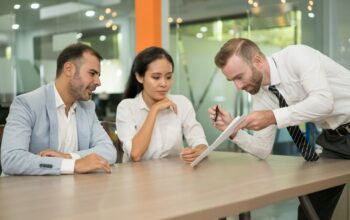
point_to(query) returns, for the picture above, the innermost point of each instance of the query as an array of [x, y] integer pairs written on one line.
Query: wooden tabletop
[[223, 184]]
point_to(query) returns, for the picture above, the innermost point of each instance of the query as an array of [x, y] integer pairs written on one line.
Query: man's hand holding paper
[[223, 118], [222, 137]]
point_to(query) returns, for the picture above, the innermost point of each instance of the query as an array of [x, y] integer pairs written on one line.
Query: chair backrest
[[110, 128], [2, 126]]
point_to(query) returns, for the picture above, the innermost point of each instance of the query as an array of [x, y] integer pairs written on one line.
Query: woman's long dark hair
[[140, 65]]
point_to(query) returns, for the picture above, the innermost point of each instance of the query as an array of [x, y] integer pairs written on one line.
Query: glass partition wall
[[195, 42], [32, 33]]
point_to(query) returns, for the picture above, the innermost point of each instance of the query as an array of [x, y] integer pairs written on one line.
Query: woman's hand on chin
[[163, 104]]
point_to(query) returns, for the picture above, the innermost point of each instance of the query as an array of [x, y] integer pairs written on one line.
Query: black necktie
[[304, 147]]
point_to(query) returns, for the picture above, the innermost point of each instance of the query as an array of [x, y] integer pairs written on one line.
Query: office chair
[[110, 128], [2, 126]]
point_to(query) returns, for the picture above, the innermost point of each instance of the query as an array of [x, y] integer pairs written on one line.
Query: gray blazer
[[32, 127]]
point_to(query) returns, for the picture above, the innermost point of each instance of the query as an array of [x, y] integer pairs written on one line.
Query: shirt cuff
[[282, 117], [67, 166], [75, 156]]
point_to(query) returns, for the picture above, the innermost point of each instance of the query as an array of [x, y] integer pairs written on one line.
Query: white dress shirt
[[316, 89], [168, 131], [67, 134]]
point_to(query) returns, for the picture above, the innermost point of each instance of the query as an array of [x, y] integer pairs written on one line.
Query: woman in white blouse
[[150, 122]]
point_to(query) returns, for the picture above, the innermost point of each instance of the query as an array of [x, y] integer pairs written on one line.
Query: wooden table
[[223, 184]]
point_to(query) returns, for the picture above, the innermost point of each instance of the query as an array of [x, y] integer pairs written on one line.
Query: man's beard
[[77, 90], [256, 81]]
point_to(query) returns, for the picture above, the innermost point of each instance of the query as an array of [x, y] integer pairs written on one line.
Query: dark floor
[[285, 210]]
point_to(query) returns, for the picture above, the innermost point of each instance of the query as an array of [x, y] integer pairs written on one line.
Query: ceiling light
[[15, 26], [79, 35], [35, 5], [109, 24], [101, 17], [90, 13], [114, 14], [102, 38], [114, 27], [179, 20], [199, 35], [108, 10], [204, 29], [170, 20], [311, 15], [17, 6]]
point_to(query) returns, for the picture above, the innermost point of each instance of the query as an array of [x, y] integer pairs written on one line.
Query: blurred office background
[[32, 33]]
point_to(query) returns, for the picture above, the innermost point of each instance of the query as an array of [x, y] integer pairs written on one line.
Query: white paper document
[[222, 137]]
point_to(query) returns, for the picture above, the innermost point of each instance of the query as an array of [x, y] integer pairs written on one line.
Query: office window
[[194, 43], [33, 34]]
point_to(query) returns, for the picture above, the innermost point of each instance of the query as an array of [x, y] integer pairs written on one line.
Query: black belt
[[341, 130]]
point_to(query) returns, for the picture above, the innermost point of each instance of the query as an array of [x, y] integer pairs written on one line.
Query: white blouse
[[168, 131]]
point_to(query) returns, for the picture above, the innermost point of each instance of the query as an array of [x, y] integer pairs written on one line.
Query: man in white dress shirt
[[54, 129], [295, 85]]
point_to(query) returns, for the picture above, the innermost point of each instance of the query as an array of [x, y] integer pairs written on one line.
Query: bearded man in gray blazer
[[54, 129]]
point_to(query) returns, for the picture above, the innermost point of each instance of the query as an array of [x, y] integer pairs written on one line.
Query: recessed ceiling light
[[311, 15], [90, 13], [79, 35], [102, 38], [15, 26], [179, 20], [17, 6], [199, 35], [204, 29], [35, 5]]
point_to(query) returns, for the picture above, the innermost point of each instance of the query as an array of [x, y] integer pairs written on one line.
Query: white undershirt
[[67, 134]]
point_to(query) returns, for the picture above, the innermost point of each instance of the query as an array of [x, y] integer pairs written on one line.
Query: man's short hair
[[244, 48], [74, 52]]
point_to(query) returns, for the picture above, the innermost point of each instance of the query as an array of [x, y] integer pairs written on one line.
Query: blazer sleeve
[[16, 158], [100, 143]]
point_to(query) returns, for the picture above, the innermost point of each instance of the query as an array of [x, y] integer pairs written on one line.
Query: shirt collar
[[59, 101], [141, 102], [274, 74]]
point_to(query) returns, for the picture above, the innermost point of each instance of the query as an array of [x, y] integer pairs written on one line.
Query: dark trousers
[[325, 201]]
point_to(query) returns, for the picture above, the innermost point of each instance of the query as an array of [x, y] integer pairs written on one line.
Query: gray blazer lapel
[[52, 114], [83, 127]]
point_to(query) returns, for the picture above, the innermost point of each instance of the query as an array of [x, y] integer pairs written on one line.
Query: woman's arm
[[142, 139]]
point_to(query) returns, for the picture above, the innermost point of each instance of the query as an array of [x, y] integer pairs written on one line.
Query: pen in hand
[[216, 113]]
